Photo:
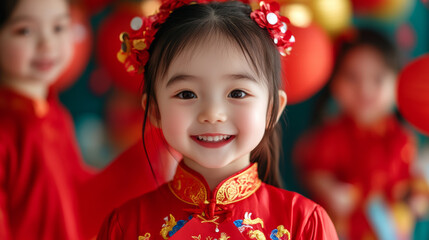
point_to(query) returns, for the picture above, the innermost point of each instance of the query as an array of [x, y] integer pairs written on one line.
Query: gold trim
[[239, 187], [191, 190], [197, 184]]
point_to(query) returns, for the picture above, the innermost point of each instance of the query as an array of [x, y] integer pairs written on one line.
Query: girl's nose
[[214, 113], [45, 41]]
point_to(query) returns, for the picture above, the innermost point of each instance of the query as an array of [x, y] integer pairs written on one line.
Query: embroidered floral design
[[170, 227], [239, 187], [188, 188], [145, 237], [280, 233], [191, 190], [223, 236], [256, 234], [247, 222]]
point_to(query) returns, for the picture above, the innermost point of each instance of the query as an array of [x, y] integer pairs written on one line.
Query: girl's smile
[[213, 140], [44, 65]]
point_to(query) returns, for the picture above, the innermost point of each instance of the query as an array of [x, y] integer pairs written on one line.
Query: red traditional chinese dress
[[40, 168], [240, 207], [373, 160], [127, 177]]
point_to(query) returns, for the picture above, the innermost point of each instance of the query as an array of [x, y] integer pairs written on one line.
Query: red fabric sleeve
[[4, 219], [111, 228], [319, 226]]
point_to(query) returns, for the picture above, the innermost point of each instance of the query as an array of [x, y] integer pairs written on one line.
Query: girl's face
[[212, 105], [35, 41], [365, 86]]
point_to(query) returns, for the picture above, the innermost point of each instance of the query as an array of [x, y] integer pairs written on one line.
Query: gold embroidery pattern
[[167, 226], [256, 234], [282, 231], [249, 221], [223, 236], [187, 187], [145, 237], [239, 187]]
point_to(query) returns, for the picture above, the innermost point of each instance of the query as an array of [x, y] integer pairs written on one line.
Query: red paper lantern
[[108, 45], [307, 69], [365, 6], [82, 39], [413, 89]]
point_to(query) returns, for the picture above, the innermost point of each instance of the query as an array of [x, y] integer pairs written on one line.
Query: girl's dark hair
[[8, 6], [6, 9], [366, 37], [189, 25], [349, 41]]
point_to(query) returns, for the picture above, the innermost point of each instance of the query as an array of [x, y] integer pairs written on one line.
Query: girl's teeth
[[213, 138]]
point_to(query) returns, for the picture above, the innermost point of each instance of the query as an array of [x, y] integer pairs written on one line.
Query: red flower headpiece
[[134, 49]]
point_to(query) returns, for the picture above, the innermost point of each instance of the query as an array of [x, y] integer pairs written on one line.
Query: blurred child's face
[[35, 43], [212, 105], [365, 86]]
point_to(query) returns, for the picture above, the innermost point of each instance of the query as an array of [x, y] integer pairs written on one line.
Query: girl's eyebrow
[[241, 76], [32, 19], [182, 77]]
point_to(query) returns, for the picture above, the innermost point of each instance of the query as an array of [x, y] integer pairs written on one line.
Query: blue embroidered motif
[[273, 234], [176, 228], [238, 223]]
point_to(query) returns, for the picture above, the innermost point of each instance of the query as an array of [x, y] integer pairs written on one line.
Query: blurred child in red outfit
[[357, 165], [40, 165]]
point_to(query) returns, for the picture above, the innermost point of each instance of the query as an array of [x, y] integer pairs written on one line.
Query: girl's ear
[[151, 113], [282, 103]]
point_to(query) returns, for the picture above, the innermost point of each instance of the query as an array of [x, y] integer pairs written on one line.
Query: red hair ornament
[[134, 48]]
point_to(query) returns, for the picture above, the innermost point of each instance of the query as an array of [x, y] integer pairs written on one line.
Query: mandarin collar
[[190, 187], [10, 99]]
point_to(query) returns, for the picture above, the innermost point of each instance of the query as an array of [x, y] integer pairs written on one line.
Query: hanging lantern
[[412, 93], [306, 70]]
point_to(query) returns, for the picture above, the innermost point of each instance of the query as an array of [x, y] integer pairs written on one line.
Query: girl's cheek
[[15, 57], [65, 46]]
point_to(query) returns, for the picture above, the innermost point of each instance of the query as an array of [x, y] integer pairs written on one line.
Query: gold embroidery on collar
[[239, 187], [191, 190], [187, 187]]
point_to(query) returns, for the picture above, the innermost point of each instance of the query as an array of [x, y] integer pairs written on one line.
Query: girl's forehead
[[211, 57], [39, 10]]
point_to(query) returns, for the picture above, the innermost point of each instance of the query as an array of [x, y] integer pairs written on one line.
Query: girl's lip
[[213, 144], [44, 64]]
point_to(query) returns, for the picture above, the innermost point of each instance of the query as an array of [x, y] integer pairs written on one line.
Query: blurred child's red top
[[40, 168], [127, 177], [240, 207], [375, 160]]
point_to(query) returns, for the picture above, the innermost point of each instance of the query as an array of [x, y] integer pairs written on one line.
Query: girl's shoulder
[[147, 200], [284, 198]]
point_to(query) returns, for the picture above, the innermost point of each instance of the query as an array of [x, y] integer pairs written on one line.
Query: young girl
[[39, 162], [357, 165], [212, 86]]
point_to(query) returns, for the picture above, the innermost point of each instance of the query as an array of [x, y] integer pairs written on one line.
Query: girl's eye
[[186, 95], [61, 26], [25, 31], [58, 28], [237, 94]]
